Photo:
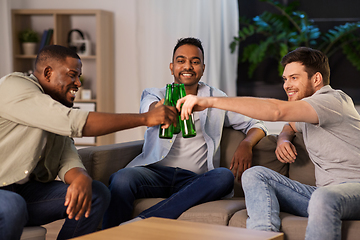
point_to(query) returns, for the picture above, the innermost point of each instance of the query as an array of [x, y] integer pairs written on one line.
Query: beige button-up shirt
[[35, 132]]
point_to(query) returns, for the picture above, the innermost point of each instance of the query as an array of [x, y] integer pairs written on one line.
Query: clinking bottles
[[175, 97], [167, 132], [187, 126]]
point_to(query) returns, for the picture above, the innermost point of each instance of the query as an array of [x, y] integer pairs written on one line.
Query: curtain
[[5, 39], [160, 23]]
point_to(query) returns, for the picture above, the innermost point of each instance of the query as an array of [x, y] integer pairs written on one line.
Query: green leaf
[[233, 46], [280, 69], [245, 31], [352, 52]]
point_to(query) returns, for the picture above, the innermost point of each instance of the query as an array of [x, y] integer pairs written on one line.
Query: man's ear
[[171, 66], [318, 80], [47, 73]]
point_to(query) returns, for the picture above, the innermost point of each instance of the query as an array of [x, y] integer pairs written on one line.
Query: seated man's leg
[[13, 215], [45, 204], [191, 189], [129, 184], [328, 206], [267, 192]]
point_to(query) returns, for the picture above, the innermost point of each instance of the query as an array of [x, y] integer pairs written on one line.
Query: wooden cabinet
[[98, 66]]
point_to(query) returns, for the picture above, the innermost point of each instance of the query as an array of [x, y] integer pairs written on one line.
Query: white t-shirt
[[188, 153]]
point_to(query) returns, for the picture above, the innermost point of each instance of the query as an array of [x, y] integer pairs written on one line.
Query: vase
[[29, 48]]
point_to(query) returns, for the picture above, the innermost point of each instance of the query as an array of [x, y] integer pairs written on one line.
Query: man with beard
[[36, 126], [331, 128], [184, 170]]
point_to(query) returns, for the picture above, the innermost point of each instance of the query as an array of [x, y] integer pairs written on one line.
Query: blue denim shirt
[[212, 122]]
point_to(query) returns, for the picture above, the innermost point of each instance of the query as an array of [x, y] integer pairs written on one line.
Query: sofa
[[102, 161], [34, 233]]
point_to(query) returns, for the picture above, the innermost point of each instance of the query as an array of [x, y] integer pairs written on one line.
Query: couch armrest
[[102, 161]]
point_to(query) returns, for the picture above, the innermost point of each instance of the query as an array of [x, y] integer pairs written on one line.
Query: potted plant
[[29, 39], [279, 33]]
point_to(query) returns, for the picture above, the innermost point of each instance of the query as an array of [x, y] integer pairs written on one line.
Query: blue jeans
[[268, 192], [35, 203], [182, 188]]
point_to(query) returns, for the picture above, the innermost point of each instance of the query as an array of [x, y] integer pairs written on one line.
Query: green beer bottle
[[167, 132], [175, 97], [187, 126]]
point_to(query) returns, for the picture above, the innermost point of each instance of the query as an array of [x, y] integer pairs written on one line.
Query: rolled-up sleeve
[[69, 159]]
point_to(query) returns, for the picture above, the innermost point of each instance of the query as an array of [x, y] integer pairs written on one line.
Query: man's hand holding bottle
[[160, 114], [191, 103]]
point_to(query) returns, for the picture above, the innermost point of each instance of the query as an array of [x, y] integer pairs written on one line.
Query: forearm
[[287, 133], [74, 173], [258, 108], [98, 124], [253, 136], [285, 150]]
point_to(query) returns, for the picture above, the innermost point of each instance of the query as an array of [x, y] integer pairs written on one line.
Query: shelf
[[85, 101], [34, 56], [97, 68], [87, 57], [25, 56]]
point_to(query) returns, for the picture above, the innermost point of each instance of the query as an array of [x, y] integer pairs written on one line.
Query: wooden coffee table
[[164, 229]]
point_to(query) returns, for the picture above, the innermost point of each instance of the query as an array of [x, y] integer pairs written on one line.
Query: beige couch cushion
[[215, 212], [143, 204], [33, 233], [239, 219]]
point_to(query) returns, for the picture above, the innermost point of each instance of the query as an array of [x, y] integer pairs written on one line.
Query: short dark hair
[[313, 60], [191, 41], [56, 52]]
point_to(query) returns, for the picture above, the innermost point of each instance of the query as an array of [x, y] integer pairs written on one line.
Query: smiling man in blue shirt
[[184, 170]]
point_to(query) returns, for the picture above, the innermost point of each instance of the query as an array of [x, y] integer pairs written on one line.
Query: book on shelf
[[47, 38], [51, 39], [43, 39]]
